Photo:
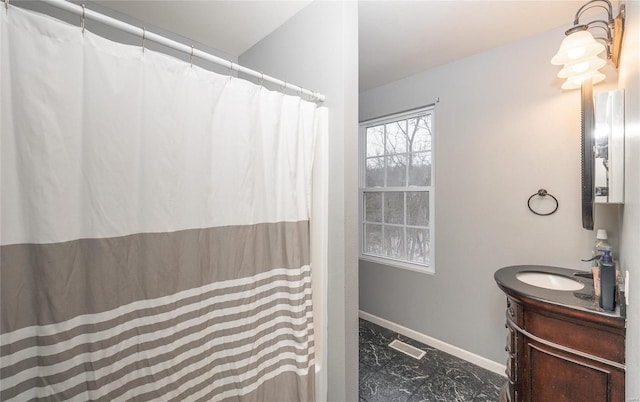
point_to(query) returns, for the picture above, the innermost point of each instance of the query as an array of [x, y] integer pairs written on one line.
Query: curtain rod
[[146, 35]]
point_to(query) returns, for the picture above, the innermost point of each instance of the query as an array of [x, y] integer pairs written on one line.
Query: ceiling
[[397, 38], [402, 38]]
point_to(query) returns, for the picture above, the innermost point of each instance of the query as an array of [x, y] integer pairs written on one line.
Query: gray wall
[[503, 130], [630, 239], [318, 49]]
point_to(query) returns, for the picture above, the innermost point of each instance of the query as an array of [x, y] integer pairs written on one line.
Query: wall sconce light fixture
[[580, 49]]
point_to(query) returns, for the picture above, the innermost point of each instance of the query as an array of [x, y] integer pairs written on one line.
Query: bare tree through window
[[397, 188]]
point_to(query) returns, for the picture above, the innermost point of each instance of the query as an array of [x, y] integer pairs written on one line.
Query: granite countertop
[[582, 300]]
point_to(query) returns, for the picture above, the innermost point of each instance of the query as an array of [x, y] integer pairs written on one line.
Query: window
[[396, 190]]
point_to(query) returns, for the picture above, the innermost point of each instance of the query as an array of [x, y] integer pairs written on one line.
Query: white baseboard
[[436, 343]]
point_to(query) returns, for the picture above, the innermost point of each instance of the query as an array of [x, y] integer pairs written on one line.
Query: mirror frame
[[588, 158]]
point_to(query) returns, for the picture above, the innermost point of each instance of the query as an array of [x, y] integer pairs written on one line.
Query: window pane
[[373, 239], [417, 245], [417, 208], [394, 242], [375, 172], [397, 158], [397, 137], [420, 133], [394, 207], [373, 207], [375, 141], [420, 169], [397, 171]]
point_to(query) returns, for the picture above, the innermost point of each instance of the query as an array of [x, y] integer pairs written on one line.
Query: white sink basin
[[549, 281]]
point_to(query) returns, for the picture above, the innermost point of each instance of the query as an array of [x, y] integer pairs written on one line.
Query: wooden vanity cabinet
[[561, 354]]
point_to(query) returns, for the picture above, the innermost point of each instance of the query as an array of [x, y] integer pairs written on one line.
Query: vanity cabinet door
[[569, 360], [554, 375]]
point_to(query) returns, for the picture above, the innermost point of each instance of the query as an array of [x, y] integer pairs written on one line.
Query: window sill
[[398, 264]]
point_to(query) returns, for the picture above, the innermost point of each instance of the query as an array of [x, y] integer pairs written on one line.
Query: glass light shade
[[576, 81], [577, 46], [582, 67]]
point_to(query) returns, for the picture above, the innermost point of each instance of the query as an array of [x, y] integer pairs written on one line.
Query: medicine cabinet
[[608, 147]]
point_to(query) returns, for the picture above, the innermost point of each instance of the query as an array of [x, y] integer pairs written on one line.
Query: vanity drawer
[[606, 343]]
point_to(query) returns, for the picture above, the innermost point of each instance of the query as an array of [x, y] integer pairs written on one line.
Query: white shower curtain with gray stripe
[[154, 225]]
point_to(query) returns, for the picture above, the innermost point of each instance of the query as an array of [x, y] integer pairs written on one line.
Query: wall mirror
[[602, 153], [608, 148]]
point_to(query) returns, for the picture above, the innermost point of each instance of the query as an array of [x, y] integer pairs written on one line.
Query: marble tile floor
[[391, 376]]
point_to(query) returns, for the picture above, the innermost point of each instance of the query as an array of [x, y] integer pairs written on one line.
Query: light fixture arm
[[608, 40], [590, 4], [610, 26], [606, 28]]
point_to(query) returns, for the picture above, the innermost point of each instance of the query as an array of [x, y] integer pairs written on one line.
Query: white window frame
[[384, 260]]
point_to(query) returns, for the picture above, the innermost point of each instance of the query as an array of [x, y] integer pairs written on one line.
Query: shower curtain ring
[[230, 70], [82, 19], [6, 6], [261, 78], [144, 33], [283, 87], [191, 57]]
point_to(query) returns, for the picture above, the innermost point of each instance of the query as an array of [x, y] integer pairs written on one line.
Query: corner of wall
[[318, 49], [629, 79]]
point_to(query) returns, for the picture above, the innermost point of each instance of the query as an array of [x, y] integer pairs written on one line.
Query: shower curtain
[[154, 225]]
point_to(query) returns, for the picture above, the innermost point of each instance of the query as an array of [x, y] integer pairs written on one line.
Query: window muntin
[[397, 189]]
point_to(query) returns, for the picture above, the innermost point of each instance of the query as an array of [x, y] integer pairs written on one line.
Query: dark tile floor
[[391, 376]]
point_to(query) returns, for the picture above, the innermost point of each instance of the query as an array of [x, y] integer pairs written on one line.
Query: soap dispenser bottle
[[601, 244], [607, 279]]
